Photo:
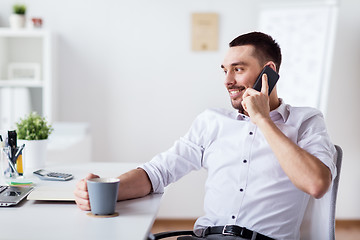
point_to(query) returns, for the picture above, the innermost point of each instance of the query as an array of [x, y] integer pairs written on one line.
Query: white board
[[305, 33]]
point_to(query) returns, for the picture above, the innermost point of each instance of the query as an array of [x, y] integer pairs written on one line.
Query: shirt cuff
[[157, 187]]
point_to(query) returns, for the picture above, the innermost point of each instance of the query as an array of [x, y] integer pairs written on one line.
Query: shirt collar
[[282, 110]]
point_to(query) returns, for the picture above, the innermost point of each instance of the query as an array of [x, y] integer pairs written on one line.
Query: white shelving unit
[[26, 89]]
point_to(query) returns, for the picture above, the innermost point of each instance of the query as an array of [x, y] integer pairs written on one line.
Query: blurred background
[[127, 73]]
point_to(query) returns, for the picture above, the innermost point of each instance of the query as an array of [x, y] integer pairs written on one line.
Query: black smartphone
[[272, 79]]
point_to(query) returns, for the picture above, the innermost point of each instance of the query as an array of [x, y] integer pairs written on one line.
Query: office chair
[[318, 212], [319, 218]]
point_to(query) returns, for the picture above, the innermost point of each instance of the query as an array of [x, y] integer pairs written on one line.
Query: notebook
[[48, 193], [12, 195]]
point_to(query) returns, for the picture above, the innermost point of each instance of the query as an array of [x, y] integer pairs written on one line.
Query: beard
[[237, 105], [236, 97]]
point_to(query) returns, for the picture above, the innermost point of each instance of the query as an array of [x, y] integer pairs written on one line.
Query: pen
[[12, 140], [19, 161], [19, 151], [7, 150], [2, 144], [10, 153]]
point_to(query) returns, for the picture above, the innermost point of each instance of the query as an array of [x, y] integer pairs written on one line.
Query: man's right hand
[[81, 193]]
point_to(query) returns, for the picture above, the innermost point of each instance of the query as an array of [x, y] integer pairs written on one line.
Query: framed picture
[[24, 71], [205, 31]]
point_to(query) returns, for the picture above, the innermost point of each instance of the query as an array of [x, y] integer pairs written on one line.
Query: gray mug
[[103, 195]]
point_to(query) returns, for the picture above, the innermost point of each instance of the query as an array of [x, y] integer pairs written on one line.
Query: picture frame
[[205, 32]]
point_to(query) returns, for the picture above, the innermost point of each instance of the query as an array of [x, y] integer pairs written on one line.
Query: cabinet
[[25, 74]]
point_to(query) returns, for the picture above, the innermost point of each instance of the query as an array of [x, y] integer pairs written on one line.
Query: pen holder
[[7, 167]]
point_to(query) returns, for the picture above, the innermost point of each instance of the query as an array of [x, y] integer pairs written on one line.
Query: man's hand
[[134, 184], [81, 193], [255, 103]]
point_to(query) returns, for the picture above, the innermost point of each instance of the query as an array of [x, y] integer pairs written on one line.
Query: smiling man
[[264, 160], [243, 63]]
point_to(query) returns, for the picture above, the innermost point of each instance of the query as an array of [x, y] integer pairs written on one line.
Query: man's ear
[[272, 65]]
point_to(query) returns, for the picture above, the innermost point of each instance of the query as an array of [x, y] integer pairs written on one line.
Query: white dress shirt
[[246, 185]]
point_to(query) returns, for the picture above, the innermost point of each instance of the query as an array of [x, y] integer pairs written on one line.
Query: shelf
[[21, 83], [25, 32], [28, 46]]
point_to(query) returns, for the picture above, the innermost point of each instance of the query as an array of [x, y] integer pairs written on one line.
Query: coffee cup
[[103, 195]]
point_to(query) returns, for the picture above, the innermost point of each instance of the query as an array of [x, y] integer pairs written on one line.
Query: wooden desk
[[64, 220]]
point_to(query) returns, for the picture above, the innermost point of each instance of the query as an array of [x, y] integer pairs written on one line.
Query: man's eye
[[225, 72], [238, 69]]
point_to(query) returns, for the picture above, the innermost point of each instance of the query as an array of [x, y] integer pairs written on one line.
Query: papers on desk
[[47, 193]]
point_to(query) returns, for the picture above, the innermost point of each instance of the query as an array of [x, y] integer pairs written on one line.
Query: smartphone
[[272, 79]]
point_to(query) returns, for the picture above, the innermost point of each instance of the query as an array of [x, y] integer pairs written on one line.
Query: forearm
[[306, 171], [134, 184]]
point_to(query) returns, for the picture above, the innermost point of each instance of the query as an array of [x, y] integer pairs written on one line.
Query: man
[[264, 160]]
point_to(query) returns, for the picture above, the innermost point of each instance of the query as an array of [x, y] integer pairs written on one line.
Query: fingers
[[83, 204], [244, 106], [257, 103], [82, 196], [81, 193], [91, 175], [248, 93], [265, 85]]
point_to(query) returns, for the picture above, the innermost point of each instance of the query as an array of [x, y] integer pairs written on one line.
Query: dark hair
[[266, 49]]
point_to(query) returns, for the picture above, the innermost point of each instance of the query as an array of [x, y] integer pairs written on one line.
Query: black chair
[[170, 234]]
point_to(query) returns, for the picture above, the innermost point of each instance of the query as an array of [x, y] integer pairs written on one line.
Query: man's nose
[[229, 80]]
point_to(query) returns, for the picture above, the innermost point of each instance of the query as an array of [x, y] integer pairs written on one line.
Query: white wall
[[343, 106], [127, 68]]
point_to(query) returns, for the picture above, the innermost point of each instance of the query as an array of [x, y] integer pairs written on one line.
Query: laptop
[[12, 195]]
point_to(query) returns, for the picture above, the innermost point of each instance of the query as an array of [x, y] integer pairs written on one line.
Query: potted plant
[[17, 18], [33, 131]]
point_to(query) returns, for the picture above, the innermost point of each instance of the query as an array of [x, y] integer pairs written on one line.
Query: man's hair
[[266, 49]]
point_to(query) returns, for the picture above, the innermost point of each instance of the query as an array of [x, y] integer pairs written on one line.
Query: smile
[[234, 93]]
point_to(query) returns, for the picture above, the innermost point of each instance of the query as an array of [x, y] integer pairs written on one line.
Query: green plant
[[33, 127], [19, 9]]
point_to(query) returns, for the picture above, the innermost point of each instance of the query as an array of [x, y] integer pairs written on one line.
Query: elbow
[[320, 187], [318, 193]]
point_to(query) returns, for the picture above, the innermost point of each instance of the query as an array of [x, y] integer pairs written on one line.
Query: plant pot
[[17, 21], [34, 155]]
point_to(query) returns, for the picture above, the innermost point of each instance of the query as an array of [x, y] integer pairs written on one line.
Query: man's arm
[[305, 171], [133, 184]]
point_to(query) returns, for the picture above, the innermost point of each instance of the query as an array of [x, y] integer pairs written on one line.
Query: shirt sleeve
[[313, 138], [184, 156]]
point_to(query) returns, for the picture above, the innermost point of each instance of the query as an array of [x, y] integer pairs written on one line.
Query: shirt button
[[241, 190], [245, 161], [233, 217], [251, 133]]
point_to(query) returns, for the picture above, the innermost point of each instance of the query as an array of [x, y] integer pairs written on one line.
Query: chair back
[[319, 218]]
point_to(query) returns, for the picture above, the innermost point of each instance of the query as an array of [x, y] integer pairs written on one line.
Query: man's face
[[241, 70]]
